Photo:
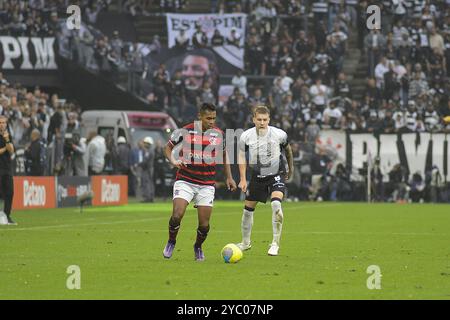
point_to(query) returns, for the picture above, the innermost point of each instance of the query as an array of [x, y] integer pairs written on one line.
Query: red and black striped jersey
[[200, 151]]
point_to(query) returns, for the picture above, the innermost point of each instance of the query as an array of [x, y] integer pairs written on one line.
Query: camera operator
[[6, 174], [74, 150]]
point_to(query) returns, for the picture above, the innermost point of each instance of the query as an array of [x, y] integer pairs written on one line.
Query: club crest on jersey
[[213, 141]]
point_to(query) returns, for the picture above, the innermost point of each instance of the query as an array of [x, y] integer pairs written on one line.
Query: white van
[[133, 125]]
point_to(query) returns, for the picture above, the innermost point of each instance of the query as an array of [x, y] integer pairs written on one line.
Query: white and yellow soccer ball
[[231, 253]]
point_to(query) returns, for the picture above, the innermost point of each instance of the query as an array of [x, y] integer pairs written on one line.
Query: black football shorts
[[259, 189]]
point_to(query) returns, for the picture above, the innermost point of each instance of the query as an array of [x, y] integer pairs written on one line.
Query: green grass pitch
[[325, 251]]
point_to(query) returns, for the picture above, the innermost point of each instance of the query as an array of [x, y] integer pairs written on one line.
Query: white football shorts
[[201, 195]]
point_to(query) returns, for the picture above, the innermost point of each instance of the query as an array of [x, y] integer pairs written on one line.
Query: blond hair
[[261, 110]]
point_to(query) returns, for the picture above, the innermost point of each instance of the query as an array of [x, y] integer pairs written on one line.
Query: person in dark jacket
[[33, 165], [148, 165], [124, 158]]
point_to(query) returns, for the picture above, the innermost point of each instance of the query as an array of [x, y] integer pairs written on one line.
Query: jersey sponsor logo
[[201, 156], [33, 195]]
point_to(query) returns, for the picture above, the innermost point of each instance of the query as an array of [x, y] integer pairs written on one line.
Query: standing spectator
[[436, 66], [78, 166], [391, 85], [377, 184], [236, 110], [332, 116], [56, 123], [271, 62], [320, 10], [181, 41], [33, 165], [435, 182], [199, 39], [234, 38], [319, 94], [161, 82], [285, 81], [254, 55], [418, 87], [124, 158], [177, 98], [207, 95], [96, 149], [257, 99], [381, 68], [240, 81], [6, 173], [147, 166], [217, 40], [374, 44], [436, 41], [116, 44]]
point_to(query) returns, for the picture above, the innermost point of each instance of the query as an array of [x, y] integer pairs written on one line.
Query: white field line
[[298, 232], [8, 228]]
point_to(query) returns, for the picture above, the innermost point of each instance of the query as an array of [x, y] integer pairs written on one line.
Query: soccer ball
[[231, 253]]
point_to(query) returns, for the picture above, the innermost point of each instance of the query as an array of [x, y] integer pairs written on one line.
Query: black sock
[[202, 233], [174, 227]]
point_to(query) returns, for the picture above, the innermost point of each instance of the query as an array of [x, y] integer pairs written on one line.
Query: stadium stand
[[314, 63]]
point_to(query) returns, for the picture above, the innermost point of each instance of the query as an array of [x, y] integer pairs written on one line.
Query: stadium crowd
[[407, 85]]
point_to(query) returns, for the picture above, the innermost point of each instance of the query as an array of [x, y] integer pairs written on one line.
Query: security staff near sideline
[[148, 168], [6, 173]]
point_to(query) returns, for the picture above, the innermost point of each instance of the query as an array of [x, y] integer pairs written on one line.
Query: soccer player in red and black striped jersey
[[201, 146]]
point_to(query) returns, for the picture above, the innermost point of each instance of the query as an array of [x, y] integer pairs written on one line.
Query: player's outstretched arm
[[231, 184], [290, 160], [242, 171]]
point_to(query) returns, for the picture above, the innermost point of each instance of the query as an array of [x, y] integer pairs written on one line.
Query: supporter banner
[[110, 190], [34, 193], [23, 53], [70, 188], [415, 151], [210, 22]]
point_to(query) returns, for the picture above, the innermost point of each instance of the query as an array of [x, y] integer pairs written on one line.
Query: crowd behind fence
[[297, 51]]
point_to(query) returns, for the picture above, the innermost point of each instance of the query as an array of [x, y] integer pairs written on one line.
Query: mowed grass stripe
[[326, 249]]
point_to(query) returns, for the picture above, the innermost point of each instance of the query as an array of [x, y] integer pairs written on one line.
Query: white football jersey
[[264, 152]]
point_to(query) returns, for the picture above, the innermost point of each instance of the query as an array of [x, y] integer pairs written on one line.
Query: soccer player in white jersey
[[264, 145]]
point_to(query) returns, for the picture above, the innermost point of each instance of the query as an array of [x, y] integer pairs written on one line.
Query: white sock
[[277, 221], [247, 224]]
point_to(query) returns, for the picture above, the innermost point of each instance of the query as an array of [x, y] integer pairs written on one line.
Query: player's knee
[[178, 213], [203, 230], [248, 211]]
